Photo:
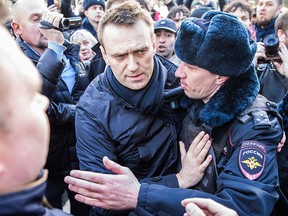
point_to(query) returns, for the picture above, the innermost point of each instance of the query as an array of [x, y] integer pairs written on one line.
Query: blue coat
[[106, 125]]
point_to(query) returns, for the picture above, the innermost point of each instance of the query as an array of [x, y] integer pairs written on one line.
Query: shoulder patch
[[252, 158]]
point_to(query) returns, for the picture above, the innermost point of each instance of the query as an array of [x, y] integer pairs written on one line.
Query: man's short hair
[[282, 21], [126, 14]]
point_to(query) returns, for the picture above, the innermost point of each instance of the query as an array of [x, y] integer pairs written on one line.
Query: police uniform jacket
[[246, 164]]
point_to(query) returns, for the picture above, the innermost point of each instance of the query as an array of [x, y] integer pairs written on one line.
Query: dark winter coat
[[247, 166], [28, 201], [107, 125], [273, 85]]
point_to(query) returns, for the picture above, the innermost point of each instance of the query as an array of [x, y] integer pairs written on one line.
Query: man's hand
[[108, 191], [52, 34], [205, 206], [194, 162], [283, 67], [282, 142], [260, 53]]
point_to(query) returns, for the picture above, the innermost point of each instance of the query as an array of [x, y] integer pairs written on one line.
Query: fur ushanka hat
[[217, 42]]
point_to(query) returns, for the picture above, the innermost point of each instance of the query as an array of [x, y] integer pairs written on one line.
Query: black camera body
[[70, 23], [64, 24], [271, 43]]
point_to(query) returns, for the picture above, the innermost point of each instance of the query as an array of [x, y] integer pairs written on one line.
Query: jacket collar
[[25, 200], [231, 99]]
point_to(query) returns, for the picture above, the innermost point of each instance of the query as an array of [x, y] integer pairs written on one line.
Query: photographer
[[57, 62], [272, 66]]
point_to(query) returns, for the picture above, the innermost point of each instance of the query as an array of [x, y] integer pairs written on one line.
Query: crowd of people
[[136, 107]]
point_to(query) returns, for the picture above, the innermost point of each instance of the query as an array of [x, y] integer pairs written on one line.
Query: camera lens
[[271, 43], [64, 23]]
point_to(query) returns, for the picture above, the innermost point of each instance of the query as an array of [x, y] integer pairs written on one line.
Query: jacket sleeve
[[60, 113], [93, 142], [234, 190], [50, 68]]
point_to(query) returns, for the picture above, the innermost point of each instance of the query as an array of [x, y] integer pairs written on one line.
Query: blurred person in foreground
[[57, 61], [245, 129], [24, 135]]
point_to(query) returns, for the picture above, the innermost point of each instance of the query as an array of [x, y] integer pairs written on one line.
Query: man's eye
[[120, 57], [141, 52]]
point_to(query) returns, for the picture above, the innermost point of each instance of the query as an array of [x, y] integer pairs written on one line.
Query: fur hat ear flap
[[221, 45]]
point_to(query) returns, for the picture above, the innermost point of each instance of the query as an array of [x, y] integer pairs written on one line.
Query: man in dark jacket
[[243, 125], [130, 112], [93, 10], [57, 62], [266, 13], [24, 134]]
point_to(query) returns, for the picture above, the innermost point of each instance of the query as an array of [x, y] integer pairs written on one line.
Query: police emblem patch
[[252, 158]]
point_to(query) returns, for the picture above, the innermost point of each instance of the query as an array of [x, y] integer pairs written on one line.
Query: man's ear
[[281, 35], [86, 13], [104, 54], [221, 79], [16, 28]]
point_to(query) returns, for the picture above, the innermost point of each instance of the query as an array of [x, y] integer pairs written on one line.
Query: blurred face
[[26, 24], [80, 6], [30, 125], [24, 145], [129, 51], [165, 43], [243, 16], [266, 11], [197, 82], [94, 13], [86, 51], [178, 19]]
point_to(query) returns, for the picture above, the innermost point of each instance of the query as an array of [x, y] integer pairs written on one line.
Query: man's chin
[[43, 45], [263, 22]]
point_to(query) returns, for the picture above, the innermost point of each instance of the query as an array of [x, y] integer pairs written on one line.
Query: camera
[[64, 24], [271, 43], [70, 23]]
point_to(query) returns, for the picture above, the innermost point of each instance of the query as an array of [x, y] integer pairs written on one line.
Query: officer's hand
[[260, 53], [194, 162], [52, 34], [283, 67]]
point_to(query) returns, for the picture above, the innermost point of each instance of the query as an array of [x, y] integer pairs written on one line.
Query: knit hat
[[88, 3], [217, 42], [166, 24], [198, 12]]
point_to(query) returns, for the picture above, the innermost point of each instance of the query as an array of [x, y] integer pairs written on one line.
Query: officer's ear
[[221, 79]]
